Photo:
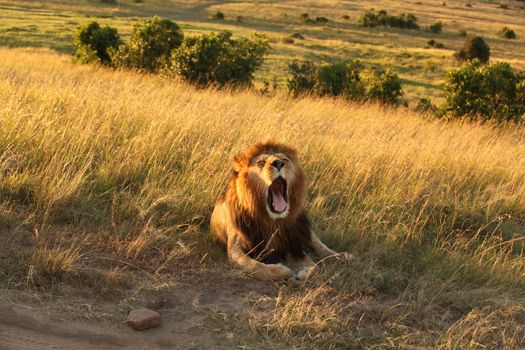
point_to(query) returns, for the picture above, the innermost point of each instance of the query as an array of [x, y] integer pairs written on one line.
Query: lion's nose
[[279, 164]]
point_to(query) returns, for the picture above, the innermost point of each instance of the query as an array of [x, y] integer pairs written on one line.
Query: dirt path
[[187, 321]]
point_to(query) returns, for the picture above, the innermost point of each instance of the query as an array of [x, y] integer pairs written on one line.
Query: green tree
[[474, 48], [217, 58], [493, 91], [93, 43], [149, 46], [304, 77], [381, 85]]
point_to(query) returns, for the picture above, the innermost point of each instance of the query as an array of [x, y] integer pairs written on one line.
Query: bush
[[340, 78], [92, 43], [435, 44], [474, 48], [492, 91], [304, 77], [218, 15], [425, 105], [317, 20], [344, 78], [149, 46], [508, 33], [321, 20], [383, 86], [436, 28], [298, 36], [382, 18], [216, 58]]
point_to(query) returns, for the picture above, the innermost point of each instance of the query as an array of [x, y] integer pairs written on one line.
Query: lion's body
[[261, 218]]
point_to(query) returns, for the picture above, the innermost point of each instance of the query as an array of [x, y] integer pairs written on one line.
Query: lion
[[261, 219]]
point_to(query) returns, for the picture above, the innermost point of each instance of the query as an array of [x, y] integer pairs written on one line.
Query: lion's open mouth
[[277, 196]]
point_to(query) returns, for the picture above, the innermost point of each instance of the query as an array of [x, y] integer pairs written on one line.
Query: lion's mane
[[266, 239]]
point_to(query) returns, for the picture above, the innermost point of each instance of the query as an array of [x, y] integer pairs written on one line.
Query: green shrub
[[92, 43], [383, 86], [436, 28], [344, 78], [216, 58], [436, 44], [340, 78], [369, 19], [382, 18], [321, 19], [474, 48], [317, 20], [298, 36], [508, 33], [462, 32], [149, 46], [218, 15], [493, 91], [304, 77], [425, 105]]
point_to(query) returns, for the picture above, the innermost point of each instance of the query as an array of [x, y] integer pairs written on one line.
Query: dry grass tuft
[[53, 263], [488, 328]]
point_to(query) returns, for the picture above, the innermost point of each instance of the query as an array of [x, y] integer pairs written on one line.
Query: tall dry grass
[[434, 210]]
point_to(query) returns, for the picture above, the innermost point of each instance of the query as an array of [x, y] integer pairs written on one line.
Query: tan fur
[[259, 238]]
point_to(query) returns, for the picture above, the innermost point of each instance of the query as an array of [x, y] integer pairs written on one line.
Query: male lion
[[261, 218]]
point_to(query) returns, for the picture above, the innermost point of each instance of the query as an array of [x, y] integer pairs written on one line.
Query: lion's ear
[[239, 162]]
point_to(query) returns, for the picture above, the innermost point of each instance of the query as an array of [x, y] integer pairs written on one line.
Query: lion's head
[[269, 181]]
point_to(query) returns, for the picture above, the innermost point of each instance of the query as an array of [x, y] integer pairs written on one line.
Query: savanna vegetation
[[422, 71], [108, 176], [111, 192]]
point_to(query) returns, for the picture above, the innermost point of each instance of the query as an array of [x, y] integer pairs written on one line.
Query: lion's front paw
[[279, 271], [272, 272], [307, 272]]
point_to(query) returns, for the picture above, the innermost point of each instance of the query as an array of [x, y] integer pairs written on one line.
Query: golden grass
[[122, 170]]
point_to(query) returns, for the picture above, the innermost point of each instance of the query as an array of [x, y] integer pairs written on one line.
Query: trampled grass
[[108, 178], [53, 23]]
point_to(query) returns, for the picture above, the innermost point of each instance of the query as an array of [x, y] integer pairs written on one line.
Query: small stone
[[141, 319]]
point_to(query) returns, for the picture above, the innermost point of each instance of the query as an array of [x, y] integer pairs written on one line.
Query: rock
[[141, 319]]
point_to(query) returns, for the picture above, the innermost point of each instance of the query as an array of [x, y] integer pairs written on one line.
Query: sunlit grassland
[[52, 24], [108, 178]]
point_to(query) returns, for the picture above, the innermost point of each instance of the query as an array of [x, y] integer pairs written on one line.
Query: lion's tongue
[[279, 204]]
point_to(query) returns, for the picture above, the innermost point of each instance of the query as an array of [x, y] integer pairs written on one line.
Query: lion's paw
[[278, 271], [307, 273]]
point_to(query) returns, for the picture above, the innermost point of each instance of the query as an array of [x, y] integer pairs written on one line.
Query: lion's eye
[[261, 163]]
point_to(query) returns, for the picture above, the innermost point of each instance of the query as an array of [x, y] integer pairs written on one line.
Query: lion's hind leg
[[255, 268]]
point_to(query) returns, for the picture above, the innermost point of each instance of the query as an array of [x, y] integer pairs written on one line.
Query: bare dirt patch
[[191, 318]]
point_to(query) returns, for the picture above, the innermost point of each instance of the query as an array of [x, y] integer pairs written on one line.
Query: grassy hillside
[[52, 24], [107, 180]]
